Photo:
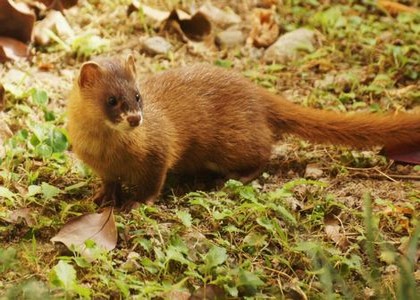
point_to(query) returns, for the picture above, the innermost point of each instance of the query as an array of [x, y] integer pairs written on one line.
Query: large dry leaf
[[395, 8], [264, 30], [59, 4], [16, 21], [333, 231], [16, 24], [99, 227], [403, 153], [196, 28]]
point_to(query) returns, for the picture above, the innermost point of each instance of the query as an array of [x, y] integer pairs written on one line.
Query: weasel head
[[109, 86]]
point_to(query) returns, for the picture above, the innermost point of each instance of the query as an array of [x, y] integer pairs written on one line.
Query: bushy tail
[[359, 130]]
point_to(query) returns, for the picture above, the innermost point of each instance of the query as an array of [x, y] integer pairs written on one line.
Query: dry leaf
[[403, 153], [55, 22], [395, 8], [155, 14], [59, 4], [264, 30], [16, 21], [401, 213], [333, 231], [12, 49], [17, 215], [208, 292], [99, 227], [16, 24], [196, 28], [218, 16]]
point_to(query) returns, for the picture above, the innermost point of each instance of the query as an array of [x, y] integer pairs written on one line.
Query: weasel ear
[[89, 73], [130, 64]]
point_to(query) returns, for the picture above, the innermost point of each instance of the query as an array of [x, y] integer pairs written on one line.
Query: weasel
[[196, 119]]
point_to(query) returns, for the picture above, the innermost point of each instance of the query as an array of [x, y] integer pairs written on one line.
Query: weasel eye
[[137, 97], [112, 101]]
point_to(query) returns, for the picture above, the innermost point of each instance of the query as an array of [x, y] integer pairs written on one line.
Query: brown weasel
[[195, 119]]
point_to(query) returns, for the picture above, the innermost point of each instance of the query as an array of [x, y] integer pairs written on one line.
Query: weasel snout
[[134, 119]]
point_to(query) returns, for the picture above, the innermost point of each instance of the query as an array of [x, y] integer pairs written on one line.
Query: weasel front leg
[[109, 193], [147, 192]]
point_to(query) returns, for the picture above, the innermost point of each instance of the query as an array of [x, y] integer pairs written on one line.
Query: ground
[[322, 221]]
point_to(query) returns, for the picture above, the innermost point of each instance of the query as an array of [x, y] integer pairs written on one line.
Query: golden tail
[[358, 130]]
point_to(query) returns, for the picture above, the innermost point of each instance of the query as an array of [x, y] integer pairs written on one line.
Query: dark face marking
[[124, 104], [112, 85]]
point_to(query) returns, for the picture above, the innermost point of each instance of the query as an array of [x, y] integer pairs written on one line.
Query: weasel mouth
[[134, 120]]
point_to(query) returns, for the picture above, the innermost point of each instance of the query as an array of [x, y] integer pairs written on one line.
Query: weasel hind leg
[[109, 194], [246, 176]]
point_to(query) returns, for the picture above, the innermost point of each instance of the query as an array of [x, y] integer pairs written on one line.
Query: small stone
[[287, 47], [313, 171], [230, 38], [157, 45]]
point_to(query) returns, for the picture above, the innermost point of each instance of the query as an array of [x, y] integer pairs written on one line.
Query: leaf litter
[[98, 227]]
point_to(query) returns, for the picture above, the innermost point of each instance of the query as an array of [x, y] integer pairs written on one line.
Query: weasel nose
[[134, 120]]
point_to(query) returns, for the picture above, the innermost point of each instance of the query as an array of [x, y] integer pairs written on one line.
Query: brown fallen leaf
[[333, 231], [12, 49], [209, 292], [16, 24], [264, 30], [16, 216], [99, 227], [395, 8], [16, 21], [59, 4], [403, 153], [195, 28]]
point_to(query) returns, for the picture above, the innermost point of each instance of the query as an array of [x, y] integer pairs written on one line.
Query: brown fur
[[202, 118]]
